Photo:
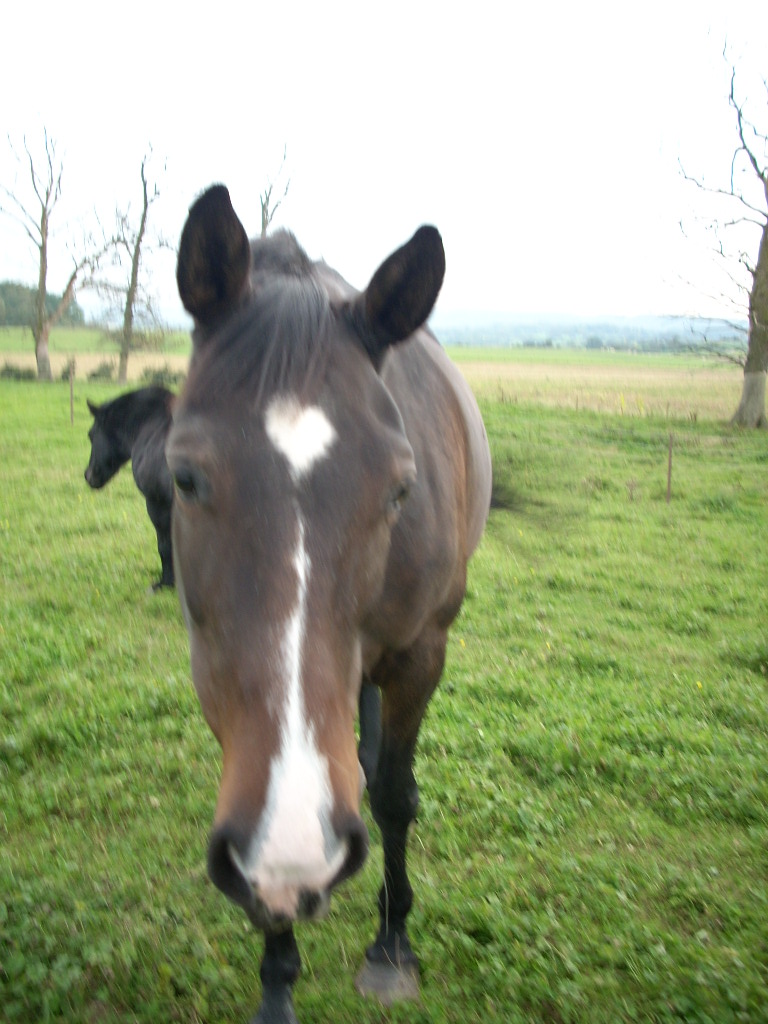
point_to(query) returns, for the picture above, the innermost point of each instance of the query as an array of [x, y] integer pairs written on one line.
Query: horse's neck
[[129, 426]]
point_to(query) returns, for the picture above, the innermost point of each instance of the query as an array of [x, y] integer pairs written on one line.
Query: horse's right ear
[[214, 256], [93, 409]]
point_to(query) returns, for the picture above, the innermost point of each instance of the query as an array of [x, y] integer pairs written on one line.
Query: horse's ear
[[93, 409], [401, 293], [214, 256]]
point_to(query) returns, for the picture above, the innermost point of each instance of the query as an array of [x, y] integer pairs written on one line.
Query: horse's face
[[105, 457], [287, 495], [281, 534]]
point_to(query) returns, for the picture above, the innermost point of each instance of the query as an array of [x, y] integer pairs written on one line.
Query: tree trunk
[[41, 354], [126, 341], [41, 328], [126, 338], [751, 410]]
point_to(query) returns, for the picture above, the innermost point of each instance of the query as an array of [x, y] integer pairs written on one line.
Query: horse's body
[[331, 485], [135, 426]]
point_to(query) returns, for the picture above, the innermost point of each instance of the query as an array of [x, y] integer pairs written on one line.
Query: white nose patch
[[303, 434], [295, 847]]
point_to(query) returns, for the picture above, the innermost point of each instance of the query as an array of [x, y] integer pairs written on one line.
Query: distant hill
[[17, 306], [641, 333]]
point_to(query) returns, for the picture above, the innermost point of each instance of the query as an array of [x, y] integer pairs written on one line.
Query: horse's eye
[[398, 496], [185, 484], [190, 484]]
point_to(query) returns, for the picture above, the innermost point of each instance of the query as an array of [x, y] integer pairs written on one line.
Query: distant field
[[90, 348], [660, 385], [666, 385]]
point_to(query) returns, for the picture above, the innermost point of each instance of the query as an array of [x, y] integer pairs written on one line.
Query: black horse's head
[[108, 451]]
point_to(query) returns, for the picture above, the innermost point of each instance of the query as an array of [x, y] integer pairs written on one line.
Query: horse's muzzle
[[94, 479], [283, 893]]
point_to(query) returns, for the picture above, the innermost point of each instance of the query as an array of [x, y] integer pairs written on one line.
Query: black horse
[[135, 426]]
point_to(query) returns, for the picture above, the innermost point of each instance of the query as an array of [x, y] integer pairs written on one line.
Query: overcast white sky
[[543, 139]]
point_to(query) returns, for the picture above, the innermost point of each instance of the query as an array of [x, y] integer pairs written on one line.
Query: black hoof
[[389, 983]]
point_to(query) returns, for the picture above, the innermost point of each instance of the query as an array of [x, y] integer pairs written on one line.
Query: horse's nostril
[[223, 868], [310, 903], [356, 834]]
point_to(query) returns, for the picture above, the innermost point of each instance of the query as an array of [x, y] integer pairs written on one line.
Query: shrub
[[11, 372], [162, 376], [104, 371]]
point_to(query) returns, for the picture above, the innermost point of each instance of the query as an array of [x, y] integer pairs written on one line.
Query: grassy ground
[[593, 837], [78, 341]]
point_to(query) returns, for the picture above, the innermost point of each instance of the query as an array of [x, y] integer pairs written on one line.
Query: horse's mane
[[277, 340], [134, 408]]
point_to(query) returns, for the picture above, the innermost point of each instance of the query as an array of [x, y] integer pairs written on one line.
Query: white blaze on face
[[295, 847], [303, 434]]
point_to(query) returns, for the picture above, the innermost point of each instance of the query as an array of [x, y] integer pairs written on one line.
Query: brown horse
[[333, 477]]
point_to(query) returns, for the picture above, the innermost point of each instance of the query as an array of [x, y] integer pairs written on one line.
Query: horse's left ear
[[401, 293], [93, 409]]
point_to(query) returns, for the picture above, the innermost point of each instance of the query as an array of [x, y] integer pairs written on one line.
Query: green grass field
[[91, 349], [592, 844], [74, 341], [665, 385]]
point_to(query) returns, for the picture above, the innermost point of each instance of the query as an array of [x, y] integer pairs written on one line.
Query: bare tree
[[270, 204], [132, 242], [751, 408], [750, 155], [34, 215]]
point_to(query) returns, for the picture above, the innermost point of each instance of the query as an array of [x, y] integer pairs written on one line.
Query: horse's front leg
[[159, 512], [279, 970], [370, 729], [391, 968]]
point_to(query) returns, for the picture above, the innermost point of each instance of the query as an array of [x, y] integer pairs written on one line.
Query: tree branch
[[268, 210], [31, 229], [761, 172], [730, 193]]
